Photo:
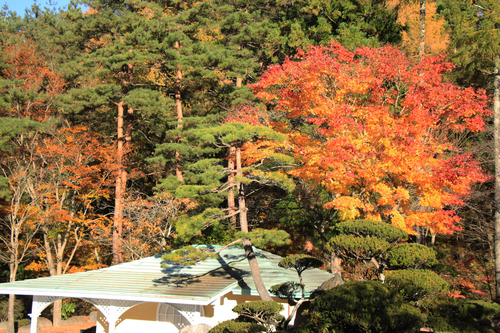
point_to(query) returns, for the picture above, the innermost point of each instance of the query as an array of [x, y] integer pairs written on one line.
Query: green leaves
[[187, 256], [360, 248], [369, 228], [263, 237], [412, 256], [415, 284], [365, 239], [300, 262]]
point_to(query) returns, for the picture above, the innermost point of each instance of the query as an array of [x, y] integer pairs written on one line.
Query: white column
[[39, 303], [112, 310]]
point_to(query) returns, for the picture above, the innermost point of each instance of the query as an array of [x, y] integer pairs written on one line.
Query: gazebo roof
[[145, 280]]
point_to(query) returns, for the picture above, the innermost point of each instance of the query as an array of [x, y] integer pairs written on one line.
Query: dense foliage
[[365, 306], [131, 128]]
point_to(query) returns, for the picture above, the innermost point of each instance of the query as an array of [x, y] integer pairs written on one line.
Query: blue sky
[[19, 6]]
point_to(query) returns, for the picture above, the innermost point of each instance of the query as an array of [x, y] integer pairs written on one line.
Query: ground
[[75, 328]]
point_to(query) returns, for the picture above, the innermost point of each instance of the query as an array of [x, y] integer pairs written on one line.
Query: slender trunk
[[180, 116], [230, 198], [13, 265], [433, 238], [496, 111], [56, 314], [119, 194], [421, 49], [292, 314], [10, 315], [127, 147], [247, 245]]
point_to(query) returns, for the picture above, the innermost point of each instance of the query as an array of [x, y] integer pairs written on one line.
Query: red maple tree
[[372, 129]]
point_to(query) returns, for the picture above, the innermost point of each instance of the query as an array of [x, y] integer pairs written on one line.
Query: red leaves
[[370, 118]]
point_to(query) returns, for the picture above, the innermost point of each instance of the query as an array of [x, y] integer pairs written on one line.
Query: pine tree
[[207, 182], [121, 45]]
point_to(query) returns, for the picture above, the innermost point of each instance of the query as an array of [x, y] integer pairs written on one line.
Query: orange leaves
[[371, 128], [32, 86], [80, 162]]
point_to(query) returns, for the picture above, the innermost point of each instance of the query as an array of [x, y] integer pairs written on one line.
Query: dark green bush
[[351, 246], [232, 326], [454, 315], [362, 306], [369, 228], [415, 284], [412, 256], [482, 309]]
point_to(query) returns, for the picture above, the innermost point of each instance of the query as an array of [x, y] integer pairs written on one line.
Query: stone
[[93, 317], [43, 322], [3, 325], [24, 329], [74, 320], [332, 282], [200, 328]]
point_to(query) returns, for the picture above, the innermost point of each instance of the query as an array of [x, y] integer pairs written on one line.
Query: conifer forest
[[358, 136]]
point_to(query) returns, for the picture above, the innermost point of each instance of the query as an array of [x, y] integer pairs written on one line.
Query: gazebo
[[145, 296]]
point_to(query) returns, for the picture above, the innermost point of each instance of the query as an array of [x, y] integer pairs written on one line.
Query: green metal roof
[[146, 280]]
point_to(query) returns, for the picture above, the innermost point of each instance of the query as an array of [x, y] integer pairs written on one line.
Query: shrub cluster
[[363, 306]]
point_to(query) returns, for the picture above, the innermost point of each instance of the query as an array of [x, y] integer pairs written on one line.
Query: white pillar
[[112, 310], [39, 303]]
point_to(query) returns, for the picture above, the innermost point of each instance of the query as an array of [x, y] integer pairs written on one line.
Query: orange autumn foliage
[[77, 170], [371, 128], [32, 87]]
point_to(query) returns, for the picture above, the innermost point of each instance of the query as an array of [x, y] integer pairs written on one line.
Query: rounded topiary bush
[[362, 306], [232, 326], [369, 228], [412, 256], [415, 284]]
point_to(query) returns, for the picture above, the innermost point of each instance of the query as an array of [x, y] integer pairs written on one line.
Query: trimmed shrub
[[232, 326], [454, 315], [363, 306], [412, 256], [359, 247], [415, 284], [369, 228], [265, 313]]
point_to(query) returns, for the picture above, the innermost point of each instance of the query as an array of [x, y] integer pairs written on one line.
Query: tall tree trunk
[[496, 111], [230, 198], [180, 116], [119, 193], [247, 245], [421, 49]]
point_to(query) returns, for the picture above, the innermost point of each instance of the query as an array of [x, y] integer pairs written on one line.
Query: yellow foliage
[[436, 37], [348, 207]]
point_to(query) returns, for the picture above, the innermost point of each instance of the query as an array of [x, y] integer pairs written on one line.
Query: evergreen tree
[[206, 181], [121, 44], [476, 39]]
